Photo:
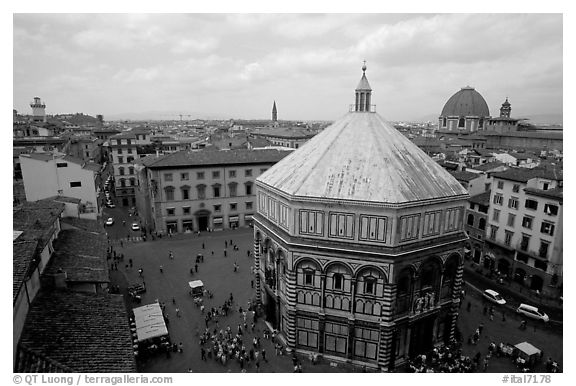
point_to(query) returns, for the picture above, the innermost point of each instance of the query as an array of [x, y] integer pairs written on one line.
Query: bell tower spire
[[274, 113], [363, 93]]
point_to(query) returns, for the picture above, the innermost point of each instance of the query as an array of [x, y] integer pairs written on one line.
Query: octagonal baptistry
[[358, 244]]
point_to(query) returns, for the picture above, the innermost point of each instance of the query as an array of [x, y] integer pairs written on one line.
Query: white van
[[532, 312]]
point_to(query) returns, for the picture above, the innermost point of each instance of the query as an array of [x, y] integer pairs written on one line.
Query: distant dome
[[466, 102]]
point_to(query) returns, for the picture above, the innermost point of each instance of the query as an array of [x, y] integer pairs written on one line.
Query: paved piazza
[[217, 273]]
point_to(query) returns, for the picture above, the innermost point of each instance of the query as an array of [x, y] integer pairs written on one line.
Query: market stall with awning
[[149, 322]]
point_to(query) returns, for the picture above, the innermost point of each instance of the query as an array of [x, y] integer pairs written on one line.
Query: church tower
[[274, 113], [506, 109], [38, 110]]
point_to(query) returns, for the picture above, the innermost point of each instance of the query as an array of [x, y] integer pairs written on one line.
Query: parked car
[[135, 226], [532, 312], [493, 296], [110, 221]]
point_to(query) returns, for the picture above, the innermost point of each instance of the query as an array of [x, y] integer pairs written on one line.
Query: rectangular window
[[170, 211], [531, 204], [432, 223], [233, 206], [513, 203], [551, 210], [200, 175], [263, 170], [527, 222], [232, 173], [216, 174], [62, 165], [409, 226], [335, 343], [525, 242], [167, 176], [341, 225], [185, 194], [129, 151], [232, 188], [508, 237], [283, 216], [547, 228], [308, 277], [493, 232], [119, 150], [452, 219], [169, 194], [248, 189], [543, 251], [249, 205], [186, 210], [262, 203], [217, 208], [311, 222], [216, 191], [373, 228], [307, 338], [516, 188], [75, 184], [500, 184], [248, 173], [511, 219], [201, 192], [545, 186], [184, 176], [498, 199], [120, 160]]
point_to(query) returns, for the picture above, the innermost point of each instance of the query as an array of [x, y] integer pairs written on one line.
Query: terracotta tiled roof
[[23, 254], [84, 332], [525, 174], [36, 220], [556, 193], [464, 176], [81, 254], [482, 198], [84, 224], [203, 158]]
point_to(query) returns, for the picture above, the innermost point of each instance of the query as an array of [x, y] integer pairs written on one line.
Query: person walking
[[196, 267], [225, 252], [161, 269], [177, 312], [140, 272], [203, 354], [252, 283], [203, 246], [264, 355], [170, 255]]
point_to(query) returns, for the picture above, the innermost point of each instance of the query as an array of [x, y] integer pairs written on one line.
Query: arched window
[[122, 182], [131, 170], [481, 122], [338, 281], [470, 219], [482, 224], [461, 122], [121, 170], [185, 192], [444, 120]]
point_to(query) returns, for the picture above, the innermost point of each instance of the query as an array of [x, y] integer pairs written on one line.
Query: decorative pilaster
[[385, 349], [290, 327], [257, 269]]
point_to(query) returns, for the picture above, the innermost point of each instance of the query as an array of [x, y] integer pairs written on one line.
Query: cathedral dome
[[465, 103]]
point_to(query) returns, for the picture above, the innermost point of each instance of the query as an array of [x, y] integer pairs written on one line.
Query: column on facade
[[257, 252], [457, 288], [385, 350], [290, 326], [386, 343]]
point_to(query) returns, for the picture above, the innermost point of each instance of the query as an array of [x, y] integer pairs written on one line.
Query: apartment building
[[524, 235], [48, 175], [198, 190], [123, 151]]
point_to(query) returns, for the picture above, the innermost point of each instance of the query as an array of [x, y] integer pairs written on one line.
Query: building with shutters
[[359, 242]]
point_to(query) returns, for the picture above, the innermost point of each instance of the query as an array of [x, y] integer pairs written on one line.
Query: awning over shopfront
[[248, 217], [149, 322], [233, 218], [217, 220]]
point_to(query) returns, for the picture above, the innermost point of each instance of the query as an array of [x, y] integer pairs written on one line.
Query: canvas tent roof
[[196, 283], [527, 348], [149, 322]]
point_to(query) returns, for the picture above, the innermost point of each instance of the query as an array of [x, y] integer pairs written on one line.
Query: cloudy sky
[[236, 65]]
